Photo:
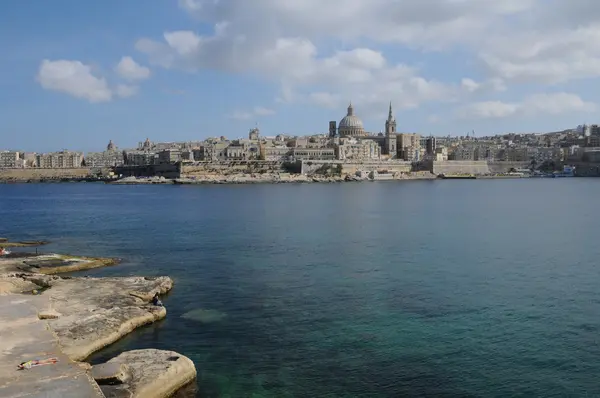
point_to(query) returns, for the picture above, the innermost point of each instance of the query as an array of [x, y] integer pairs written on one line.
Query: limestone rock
[[48, 314], [154, 374], [14, 284], [84, 365], [111, 373], [98, 311]]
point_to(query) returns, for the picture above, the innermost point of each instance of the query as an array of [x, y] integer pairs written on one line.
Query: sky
[[76, 74]]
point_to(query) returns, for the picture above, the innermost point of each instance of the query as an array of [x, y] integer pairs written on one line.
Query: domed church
[[351, 125]]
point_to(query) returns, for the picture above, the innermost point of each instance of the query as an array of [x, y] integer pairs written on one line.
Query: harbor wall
[[198, 169], [480, 167], [338, 167], [153, 170], [36, 174]]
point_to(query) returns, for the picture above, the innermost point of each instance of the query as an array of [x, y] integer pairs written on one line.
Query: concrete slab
[[23, 337]]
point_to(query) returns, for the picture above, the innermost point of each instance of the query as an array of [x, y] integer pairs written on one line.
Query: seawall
[[339, 167], [44, 174], [199, 169], [475, 167]]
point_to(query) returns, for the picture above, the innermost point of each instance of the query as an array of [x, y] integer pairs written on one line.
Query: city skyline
[[193, 69]]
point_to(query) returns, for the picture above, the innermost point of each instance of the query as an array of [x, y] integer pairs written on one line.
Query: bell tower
[[390, 146]]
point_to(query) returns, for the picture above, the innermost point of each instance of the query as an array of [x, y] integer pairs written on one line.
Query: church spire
[[390, 123]]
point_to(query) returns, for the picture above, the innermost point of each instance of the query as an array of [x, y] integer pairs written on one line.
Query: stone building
[[140, 158], [352, 149], [409, 146], [59, 160], [462, 152], [11, 160], [312, 153], [167, 156], [274, 153], [112, 157], [243, 150], [351, 125]]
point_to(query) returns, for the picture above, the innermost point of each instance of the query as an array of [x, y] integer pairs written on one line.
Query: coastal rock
[[98, 311], [10, 284], [154, 374], [51, 263], [49, 314], [23, 337], [111, 373]]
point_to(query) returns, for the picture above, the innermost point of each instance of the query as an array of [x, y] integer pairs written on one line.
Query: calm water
[[445, 288]]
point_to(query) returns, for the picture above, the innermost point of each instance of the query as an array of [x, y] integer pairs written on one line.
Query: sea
[[453, 288]]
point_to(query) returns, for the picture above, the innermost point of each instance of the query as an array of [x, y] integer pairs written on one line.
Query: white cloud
[[534, 105], [256, 112], [491, 85], [78, 80], [125, 91], [421, 23], [361, 74], [343, 51], [73, 78], [128, 69]]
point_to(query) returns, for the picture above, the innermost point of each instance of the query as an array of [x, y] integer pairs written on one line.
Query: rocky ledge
[[270, 178], [51, 263], [81, 315], [144, 373], [87, 314]]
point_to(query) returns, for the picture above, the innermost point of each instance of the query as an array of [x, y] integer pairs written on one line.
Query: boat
[[568, 171], [457, 176]]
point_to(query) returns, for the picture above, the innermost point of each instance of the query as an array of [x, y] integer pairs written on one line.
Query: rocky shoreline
[[45, 315], [270, 178]]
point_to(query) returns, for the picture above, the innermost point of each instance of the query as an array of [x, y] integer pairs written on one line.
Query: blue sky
[[200, 68]]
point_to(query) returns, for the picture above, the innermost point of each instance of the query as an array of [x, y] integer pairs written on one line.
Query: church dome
[[351, 125]]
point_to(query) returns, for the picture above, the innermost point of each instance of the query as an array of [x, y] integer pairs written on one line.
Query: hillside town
[[345, 142]]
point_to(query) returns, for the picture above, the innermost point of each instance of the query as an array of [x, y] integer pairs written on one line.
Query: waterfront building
[[170, 155], [59, 160], [274, 152], [112, 157], [462, 152], [357, 150], [11, 160], [243, 150], [312, 153], [187, 155], [409, 146], [441, 154], [430, 145], [140, 158], [592, 141], [543, 154], [485, 152]]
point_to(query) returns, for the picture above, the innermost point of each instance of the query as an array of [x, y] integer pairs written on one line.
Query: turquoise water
[[433, 288]]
